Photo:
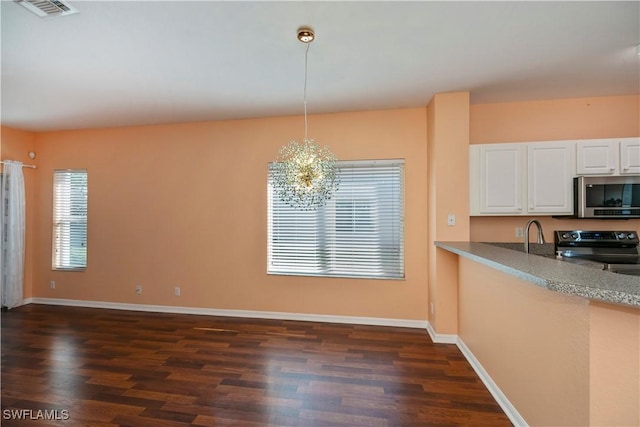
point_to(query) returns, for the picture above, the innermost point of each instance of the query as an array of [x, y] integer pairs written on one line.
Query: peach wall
[[15, 145], [432, 250], [185, 205], [615, 365], [448, 154], [579, 118], [576, 118], [449, 159], [503, 229], [534, 343], [560, 360]]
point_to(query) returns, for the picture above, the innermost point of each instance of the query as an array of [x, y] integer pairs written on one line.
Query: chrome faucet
[[526, 234]]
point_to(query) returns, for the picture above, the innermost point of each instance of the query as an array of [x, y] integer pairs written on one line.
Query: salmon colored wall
[[185, 205], [562, 360], [579, 118], [15, 145], [503, 229], [615, 365], [432, 251], [532, 342], [448, 157], [576, 118]]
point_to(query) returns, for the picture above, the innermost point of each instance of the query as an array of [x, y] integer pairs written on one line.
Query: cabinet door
[[597, 157], [630, 156], [474, 180], [550, 171], [501, 173]]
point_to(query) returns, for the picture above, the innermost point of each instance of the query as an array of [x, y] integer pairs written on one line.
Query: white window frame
[[313, 243], [69, 231]]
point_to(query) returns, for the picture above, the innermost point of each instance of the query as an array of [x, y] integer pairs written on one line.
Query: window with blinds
[[359, 233], [69, 220]]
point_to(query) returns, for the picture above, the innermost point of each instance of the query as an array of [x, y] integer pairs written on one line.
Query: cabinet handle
[[612, 169], [626, 168], [531, 208]]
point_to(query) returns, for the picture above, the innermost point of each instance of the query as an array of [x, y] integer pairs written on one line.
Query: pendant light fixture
[[305, 175]]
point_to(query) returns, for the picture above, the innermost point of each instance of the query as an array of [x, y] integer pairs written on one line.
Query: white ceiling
[[121, 63]]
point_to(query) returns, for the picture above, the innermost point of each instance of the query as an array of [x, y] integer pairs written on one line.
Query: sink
[[542, 249], [546, 250]]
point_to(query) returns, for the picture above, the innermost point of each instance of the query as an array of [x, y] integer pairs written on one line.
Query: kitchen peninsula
[[552, 274], [561, 342]]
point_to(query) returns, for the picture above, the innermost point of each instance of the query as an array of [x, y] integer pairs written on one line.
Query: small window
[[69, 220], [358, 233]]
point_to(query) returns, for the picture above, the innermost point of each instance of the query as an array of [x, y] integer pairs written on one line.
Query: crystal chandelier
[[305, 175]]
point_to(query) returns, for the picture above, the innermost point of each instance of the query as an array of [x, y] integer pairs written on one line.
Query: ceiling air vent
[[44, 8]]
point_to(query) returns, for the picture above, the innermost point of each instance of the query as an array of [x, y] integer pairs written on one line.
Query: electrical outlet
[[138, 289], [176, 291], [451, 219], [52, 284], [519, 232]]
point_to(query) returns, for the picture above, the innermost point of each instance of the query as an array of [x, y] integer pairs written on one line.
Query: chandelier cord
[[305, 175], [306, 54]]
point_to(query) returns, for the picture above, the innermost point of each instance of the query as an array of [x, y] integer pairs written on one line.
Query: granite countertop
[[549, 273]]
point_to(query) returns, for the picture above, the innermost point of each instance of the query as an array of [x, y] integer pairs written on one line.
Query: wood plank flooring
[[68, 366]]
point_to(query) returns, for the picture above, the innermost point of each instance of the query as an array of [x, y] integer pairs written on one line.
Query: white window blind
[[359, 233], [69, 220]]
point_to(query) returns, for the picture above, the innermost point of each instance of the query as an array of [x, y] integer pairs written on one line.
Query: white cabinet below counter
[[522, 178], [611, 156]]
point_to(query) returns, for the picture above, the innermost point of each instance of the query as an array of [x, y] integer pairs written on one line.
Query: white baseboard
[[374, 321], [498, 395], [441, 338], [25, 301]]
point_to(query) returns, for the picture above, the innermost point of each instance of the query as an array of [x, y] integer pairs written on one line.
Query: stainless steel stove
[[616, 251]]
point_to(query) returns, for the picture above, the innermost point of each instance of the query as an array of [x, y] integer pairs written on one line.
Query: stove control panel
[[596, 238]]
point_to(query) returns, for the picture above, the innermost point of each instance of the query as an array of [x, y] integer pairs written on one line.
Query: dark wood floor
[[120, 368]]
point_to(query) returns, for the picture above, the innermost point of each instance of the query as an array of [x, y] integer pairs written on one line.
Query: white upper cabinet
[[550, 171], [597, 157], [522, 178], [612, 156], [536, 178], [630, 156], [501, 173]]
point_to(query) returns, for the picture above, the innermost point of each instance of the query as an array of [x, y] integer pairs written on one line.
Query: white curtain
[[12, 232]]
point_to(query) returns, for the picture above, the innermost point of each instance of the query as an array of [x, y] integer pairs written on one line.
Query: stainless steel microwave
[[607, 196]]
